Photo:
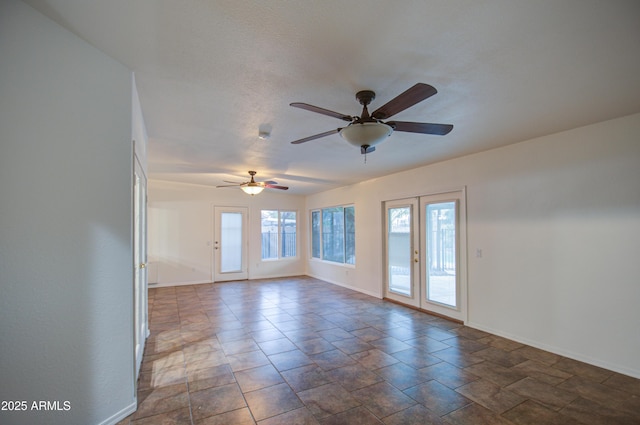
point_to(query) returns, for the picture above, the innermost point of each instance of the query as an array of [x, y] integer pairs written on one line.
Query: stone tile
[[332, 359], [594, 391], [356, 416], [161, 400], [624, 383], [335, 334], [416, 358], [390, 345], [437, 397], [542, 372], [501, 343], [457, 357], [497, 374], [239, 346], [205, 359], [327, 400], [315, 346], [501, 357], [449, 375], [538, 355], [591, 413], [290, 360], [474, 414], [403, 376], [165, 377], [575, 367], [277, 346], [301, 416], [490, 395], [353, 345], [235, 417], [374, 359], [257, 378], [383, 399], [216, 400], [428, 345], [414, 415], [353, 377], [272, 401], [212, 377], [465, 344], [532, 413], [247, 360], [306, 377], [553, 397], [368, 334]]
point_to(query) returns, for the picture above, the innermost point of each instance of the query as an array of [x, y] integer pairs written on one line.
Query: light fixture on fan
[[366, 133], [252, 188]]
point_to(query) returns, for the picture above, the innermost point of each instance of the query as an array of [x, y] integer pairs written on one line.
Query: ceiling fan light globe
[[368, 133], [252, 189]]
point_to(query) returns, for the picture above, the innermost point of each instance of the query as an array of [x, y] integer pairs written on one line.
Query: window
[[333, 234], [278, 234]]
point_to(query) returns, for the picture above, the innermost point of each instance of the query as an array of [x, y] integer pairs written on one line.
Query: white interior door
[[425, 240], [230, 244], [140, 261]]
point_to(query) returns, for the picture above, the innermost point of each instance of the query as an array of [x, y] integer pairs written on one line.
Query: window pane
[[231, 242], [333, 234], [269, 234], [288, 233], [350, 235], [399, 250], [441, 253], [315, 234]]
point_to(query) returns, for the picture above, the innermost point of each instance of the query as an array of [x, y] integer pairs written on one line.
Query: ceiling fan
[[368, 130], [253, 187]]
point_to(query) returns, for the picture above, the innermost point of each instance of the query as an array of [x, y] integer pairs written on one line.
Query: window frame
[[279, 241], [348, 252]]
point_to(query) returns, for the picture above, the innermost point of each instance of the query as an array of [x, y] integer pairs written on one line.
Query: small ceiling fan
[[253, 187], [368, 130]]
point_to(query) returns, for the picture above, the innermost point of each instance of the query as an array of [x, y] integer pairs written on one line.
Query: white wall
[[181, 231], [66, 294], [558, 222]]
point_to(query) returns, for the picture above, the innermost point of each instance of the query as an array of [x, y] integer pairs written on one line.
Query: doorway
[[139, 261], [230, 244], [425, 253]]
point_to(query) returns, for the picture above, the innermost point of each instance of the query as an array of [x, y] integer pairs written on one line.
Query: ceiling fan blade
[[230, 185], [227, 181], [421, 127], [322, 111], [414, 95], [269, 182], [317, 136], [274, 186]]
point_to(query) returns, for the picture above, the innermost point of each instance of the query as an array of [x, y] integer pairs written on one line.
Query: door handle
[[143, 265], [415, 260]]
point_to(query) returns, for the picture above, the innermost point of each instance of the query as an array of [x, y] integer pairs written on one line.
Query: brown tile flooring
[[302, 351]]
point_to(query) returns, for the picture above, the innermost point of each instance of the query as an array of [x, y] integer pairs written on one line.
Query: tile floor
[[302, 351]]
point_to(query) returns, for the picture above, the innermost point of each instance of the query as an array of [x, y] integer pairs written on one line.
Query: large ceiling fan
[[368, 130], [253, 187]]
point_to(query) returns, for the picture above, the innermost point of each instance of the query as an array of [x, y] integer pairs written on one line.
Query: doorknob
[[143, 265], [415, 259]]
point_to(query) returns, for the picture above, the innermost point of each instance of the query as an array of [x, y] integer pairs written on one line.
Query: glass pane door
[[402, 252], [443, 272], [230, 243]]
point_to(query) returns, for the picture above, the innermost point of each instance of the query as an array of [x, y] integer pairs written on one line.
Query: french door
[[425, 253], [139, 261], [230, 244]]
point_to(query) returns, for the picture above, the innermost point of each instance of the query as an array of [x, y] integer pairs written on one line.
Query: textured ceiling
[[211, 74]]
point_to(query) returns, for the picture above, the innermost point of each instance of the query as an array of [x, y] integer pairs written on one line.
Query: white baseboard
[[343, 285], [559, 351], [114, 419]]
